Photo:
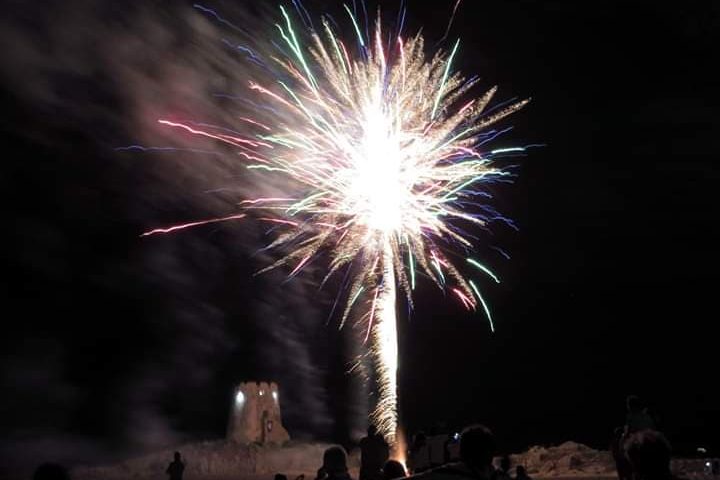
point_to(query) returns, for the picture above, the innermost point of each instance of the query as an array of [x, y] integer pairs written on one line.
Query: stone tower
[[255, 416]]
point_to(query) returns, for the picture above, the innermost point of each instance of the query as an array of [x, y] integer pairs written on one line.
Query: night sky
[[115, 344]]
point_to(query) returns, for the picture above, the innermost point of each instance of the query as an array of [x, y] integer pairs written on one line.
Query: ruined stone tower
[[255, 415]]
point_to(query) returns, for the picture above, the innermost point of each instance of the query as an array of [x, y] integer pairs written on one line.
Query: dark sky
[[113, 343]]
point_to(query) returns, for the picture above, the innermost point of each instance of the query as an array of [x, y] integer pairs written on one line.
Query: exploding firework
[[377, 146]]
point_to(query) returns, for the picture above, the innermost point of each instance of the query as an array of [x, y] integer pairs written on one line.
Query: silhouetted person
[[649, 455], [176, 468], [374, 452], [521, 473], [622, 464], [503, 473], [280, 476], [436, 445], [334, 465], [51, 471], [452, 448], [419, 453], [393, 469], [477, 446], [638, 417]]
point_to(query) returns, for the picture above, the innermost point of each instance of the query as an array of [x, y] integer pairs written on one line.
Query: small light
[[262, 393], [708, 464], [275, 396], [239, 398]]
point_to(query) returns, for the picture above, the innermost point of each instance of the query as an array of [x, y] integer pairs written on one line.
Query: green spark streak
[[300, 104], [281, 141], [299, 205], [469, 182], [445, 75], [357, 29], [512, 149], [453, 139], [485, 307], [352, 302], [307, 112], [484, 269], [337, 49], [267, 168], [295, 46], [439, 270]]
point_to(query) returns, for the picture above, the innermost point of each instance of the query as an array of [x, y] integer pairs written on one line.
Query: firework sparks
[[379, 153], [183, 226]]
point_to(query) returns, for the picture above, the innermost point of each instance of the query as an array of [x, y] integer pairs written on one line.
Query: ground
[[221, 460]]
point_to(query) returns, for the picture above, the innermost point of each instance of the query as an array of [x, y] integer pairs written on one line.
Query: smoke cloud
[[128, 344]]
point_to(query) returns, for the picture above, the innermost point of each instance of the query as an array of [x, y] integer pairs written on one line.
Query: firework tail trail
[[385, 350]]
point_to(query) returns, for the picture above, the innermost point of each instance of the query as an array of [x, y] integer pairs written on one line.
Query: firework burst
[[378, 147]]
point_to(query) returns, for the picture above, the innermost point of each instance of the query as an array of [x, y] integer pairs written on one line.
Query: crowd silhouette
[[640, 451]]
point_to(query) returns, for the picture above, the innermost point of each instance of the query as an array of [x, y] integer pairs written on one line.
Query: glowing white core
[[275, 396], [377, 191], [239, 398]]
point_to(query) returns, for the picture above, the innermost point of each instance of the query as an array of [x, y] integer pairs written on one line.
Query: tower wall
[[255, 416]]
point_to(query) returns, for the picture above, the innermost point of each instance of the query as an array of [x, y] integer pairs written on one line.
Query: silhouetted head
[[505, 464], [477, 446], [634, 404], [335, 460], [372, 430], [177, 456], [51, 471], [649, 454], [393, 469], [280, 476]]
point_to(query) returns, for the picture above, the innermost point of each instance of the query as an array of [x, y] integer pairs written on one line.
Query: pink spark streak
[[192, 224], [223, 138]]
